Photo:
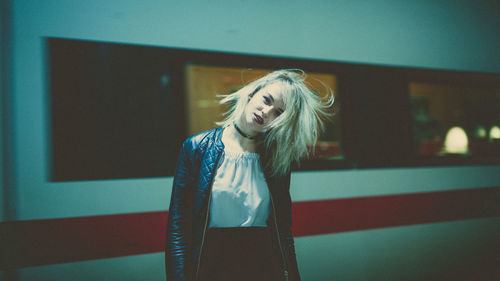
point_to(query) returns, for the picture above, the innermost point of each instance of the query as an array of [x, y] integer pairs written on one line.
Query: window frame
[[374, 105]]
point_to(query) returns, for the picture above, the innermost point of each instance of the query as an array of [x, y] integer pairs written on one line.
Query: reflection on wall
[[203, 83]]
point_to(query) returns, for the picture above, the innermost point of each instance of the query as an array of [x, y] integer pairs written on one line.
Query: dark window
[[122, 111], [115, 111]]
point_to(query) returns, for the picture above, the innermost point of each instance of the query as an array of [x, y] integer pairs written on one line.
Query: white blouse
[[240, 197]]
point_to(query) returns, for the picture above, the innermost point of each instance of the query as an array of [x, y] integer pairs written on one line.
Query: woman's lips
[[258, 119]]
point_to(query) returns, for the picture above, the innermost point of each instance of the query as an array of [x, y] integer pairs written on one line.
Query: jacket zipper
[[206, 216], [285, 272]]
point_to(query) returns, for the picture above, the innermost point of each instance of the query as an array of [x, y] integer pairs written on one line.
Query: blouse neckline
[[241, 154]]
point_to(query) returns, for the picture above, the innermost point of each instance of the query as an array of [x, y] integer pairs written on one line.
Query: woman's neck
[[245, 129], [235, 141]]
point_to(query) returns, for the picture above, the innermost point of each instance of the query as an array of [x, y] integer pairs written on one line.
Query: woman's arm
[[178, 267], [293, 270]]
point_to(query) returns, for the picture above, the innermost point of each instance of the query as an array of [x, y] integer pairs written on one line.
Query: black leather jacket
[[188, 212]]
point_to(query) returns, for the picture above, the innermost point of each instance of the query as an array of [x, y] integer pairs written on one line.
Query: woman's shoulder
[[200, 139]]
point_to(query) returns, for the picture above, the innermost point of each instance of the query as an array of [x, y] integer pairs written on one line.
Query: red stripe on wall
[[361, 213], [41, 242]]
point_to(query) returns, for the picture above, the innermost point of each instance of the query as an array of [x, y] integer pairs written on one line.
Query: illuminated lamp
[[481, 132], [456, 141], [495, 133]]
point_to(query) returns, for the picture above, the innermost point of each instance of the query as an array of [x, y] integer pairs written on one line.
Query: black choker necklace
[[243, 134]]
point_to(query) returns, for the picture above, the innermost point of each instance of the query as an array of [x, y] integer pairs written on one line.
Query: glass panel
[[113, 111], [452, 120], [204, 82]]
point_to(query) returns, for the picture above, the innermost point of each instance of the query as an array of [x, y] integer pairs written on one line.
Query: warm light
[[456, 141], [495, 133], [481, 132]]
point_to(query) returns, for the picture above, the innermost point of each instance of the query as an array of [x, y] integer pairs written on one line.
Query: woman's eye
[[267, 100]]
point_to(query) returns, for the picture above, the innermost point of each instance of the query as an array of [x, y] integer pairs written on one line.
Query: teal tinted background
[[443, 251], [443, 34], [430, 34]]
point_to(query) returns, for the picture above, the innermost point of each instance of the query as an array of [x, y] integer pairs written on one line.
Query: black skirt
[[240, 254]]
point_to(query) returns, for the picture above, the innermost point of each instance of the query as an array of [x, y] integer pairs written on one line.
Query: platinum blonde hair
[[286, 137]]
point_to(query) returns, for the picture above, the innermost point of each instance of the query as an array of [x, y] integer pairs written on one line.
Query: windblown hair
[[287, 137]]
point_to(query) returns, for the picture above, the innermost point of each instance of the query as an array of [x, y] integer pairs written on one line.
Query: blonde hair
[[302, 121]]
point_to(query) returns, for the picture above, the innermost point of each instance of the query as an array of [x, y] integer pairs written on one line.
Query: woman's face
[[265, 106]]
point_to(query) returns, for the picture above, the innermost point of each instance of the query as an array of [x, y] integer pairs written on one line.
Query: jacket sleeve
[[287, 238], [178, 267]]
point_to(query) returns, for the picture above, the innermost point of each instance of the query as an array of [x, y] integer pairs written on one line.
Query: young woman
[[230, 210]]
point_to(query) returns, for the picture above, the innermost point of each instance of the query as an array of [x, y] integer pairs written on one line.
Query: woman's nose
[[266, 111]]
